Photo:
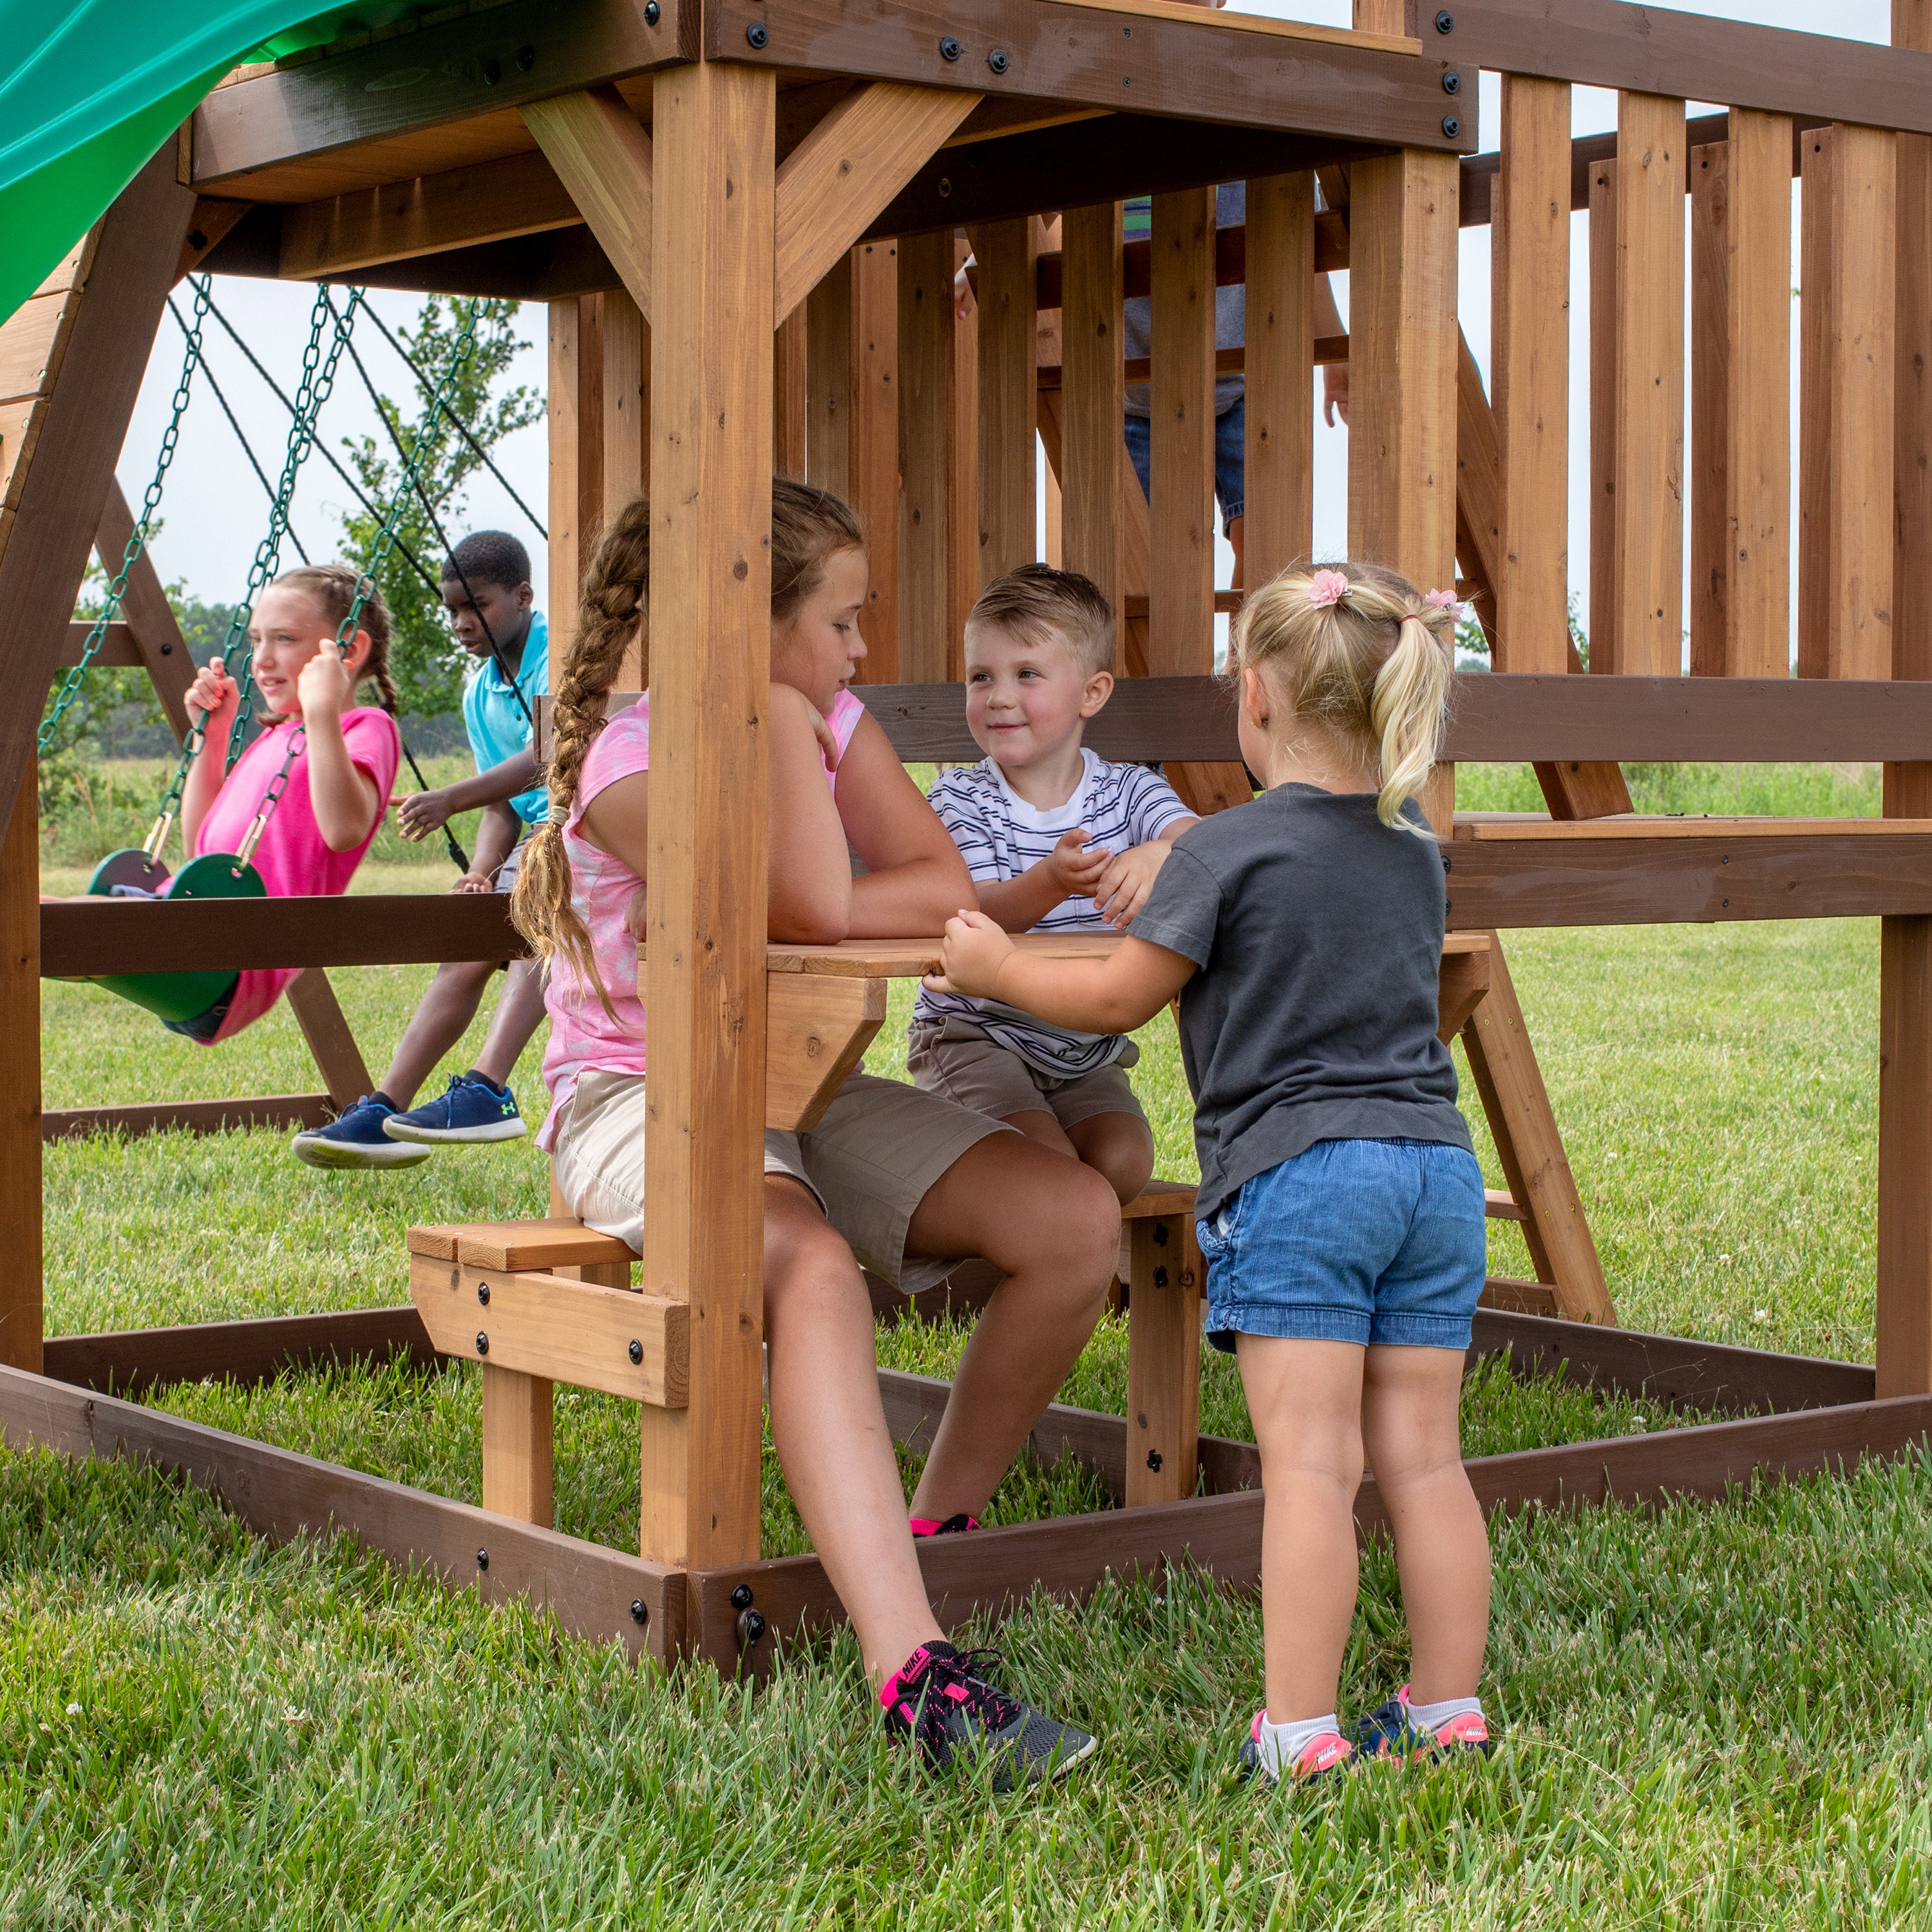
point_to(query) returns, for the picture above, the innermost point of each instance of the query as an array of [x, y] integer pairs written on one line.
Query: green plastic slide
[[90, 88]]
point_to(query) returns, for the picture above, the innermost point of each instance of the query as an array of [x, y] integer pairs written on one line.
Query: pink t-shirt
[[583, 1035], [293, 858]]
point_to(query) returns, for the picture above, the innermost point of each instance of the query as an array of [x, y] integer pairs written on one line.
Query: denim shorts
[[1231, 457], [1380, 1243]]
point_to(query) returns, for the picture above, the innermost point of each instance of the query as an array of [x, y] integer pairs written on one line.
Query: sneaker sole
[[1004, 1779], [496, 1130], [338, 1158]]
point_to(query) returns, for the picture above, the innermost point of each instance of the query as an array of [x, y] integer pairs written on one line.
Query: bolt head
[[639, 1614], [482, 1342], [757, 34], [492, 72], [526, 58], [636, 1352], [1452, 83], [1451, 126], [483, 1293], [999, 60], [1445, 22], [752, 1626], [741, 1597], [1153, 1460], [482, 1559], [949, 49], [651, 14]]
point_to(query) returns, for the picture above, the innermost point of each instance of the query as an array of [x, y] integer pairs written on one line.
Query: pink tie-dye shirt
[[583, 1035]]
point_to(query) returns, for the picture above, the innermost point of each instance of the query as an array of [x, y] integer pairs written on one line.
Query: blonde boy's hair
[[1372, 667], [1037, 603]]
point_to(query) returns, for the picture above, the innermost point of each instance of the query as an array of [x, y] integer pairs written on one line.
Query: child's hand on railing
[[971, 954]]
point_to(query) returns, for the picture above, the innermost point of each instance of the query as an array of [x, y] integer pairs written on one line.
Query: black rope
[[463, 428]]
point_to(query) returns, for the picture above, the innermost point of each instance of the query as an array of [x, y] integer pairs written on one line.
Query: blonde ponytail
[[1357, 652]]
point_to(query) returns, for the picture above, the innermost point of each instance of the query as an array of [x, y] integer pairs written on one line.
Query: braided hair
[[332, 588]]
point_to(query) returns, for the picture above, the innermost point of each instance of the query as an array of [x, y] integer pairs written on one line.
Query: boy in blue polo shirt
[[486, 589]]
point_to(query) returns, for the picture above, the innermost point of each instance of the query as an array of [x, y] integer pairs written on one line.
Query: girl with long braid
[[904, 1181]]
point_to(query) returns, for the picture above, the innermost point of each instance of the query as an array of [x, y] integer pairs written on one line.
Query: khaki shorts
[[960, 1064], [869, 1163]]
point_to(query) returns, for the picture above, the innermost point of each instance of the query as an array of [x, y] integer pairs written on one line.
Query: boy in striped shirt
[[1056, 840]]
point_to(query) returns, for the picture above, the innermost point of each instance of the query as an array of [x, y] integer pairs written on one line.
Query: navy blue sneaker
[[355, 1139], [469, 1112]]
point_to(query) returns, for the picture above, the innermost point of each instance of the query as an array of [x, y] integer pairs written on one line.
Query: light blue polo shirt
[[495, 721]]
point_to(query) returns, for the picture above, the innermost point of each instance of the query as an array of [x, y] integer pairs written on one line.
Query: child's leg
[[440, 1020], [1410, 1399], [1053, 1227], [520, 1011], [1119, 1146], [1305, 1399], [830, 1430]]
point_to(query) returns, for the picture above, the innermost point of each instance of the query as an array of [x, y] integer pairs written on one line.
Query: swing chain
[[270, 798], [137, 539]]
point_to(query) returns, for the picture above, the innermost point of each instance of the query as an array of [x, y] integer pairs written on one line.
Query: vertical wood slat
[[566, 355], [874, 475], [1278, 491], [829, 413], [1530, 361], [1163, 1360], [1603, 306], [962, 499], [519, 1415], [713, 233], [1845, 405], [1093, 367], [1710, 405], [1180, 588], [1648, 558], [1008, 334], [926, 430], [20, 1151], [788, 404], [623, 401]]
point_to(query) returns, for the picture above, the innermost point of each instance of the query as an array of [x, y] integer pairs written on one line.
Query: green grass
[[1716, 1716]]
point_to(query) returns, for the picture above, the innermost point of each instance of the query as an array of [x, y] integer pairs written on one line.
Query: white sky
[[215, 511]]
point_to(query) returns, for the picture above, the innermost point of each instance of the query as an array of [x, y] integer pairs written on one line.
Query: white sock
[[1281, 1744], [1433, 1717]]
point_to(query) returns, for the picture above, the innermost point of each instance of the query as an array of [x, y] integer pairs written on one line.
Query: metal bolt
[[1160, 1234], [949, 49], [741, 1597], [482, 1342], [526, 58], [651, 13], [483, 1293], [1160, 1277], [1445, 22], [945, 189], [639, 1613], [492, 72], [482, 1559], [636, 1352], [167, 650], [1153, 1460], [1451, 126], [1725, 860], [751, 1627], [757, 34], [197, 239], [1452, 83], [998, 60]]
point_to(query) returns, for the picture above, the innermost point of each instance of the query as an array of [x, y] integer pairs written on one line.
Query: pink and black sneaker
[[953, 1525], [1390, 1730], [1326, 1755], [941, 1700]]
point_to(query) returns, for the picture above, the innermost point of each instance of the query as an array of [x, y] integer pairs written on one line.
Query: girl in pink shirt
[[338, 784], [904, 1181]]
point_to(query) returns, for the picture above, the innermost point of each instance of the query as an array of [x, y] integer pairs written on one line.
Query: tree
[[427, 661]]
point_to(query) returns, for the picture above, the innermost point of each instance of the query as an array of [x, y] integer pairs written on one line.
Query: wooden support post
[[624, 397], [828, 380], [518, 1462], [1278, 491], [20, 1151], [1008, 334], [1846, 405], [567, 438], [962, 498], [1530, 361], [926, 431], [711, 248], [874, 473], [788, 389], [1513, 1097], [1647, 542], [1180, 587], [1604, 274], [1163, 1360], [1089, 449], [1710, 404], [149, 616], [326, 1027]]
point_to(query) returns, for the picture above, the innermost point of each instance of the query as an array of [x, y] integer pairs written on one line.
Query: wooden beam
[[711, 464], [962, 518], [788, 396], [816, 1030], [280, 1111], [1709, 472], [1605, 273], [1648, 541], [519, 1462], [926, 432], [828, 381], [603, 158], [1088, 448], [326, 1027], [1167, 1281], [567, 431], [215, 220], [20, 1160], [1008, 339], [1180, 588], [1278, 489], [158, 643], [849, 166], [874, 442]]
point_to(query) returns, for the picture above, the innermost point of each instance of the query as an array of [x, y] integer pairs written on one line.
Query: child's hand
[[974, 949], [828, 740], [1076, 868], [326, 683], [634, 914], [422, 813], [1125, 885], [475, 882], [213, 692]]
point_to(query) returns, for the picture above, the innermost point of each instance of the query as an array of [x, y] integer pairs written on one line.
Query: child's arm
[[343, 796], [1115, 994], [810, 896], [1124, 886], [915, 879], [496, 839], [423, 812], [1072, 870], [215, 693]]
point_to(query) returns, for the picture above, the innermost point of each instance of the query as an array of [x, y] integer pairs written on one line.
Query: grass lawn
[[1715, 1716]]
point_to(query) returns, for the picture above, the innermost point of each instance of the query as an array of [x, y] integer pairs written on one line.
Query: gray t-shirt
[[1231, 303], [1318, 933]]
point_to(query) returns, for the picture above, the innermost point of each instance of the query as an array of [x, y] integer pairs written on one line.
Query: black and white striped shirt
[[999, 836]]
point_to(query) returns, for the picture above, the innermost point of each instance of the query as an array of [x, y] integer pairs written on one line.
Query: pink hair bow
[[1443, 600], [1328, 589]]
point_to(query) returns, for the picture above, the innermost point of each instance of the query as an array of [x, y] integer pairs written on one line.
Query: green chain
[[318, 378], [144, 524]]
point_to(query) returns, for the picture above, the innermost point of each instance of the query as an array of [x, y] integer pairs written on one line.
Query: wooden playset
[[745, 216]]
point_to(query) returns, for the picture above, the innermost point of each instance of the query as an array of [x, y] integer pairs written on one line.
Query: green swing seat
[[173, 996]]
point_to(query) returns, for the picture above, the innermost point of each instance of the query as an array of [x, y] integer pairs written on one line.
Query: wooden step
[[519, 1246]]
